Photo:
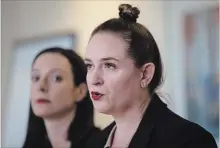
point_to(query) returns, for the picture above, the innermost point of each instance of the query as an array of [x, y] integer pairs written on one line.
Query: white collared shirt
[[110, 138]]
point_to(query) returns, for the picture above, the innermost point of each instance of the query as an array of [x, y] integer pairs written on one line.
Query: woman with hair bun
[[124, 71]]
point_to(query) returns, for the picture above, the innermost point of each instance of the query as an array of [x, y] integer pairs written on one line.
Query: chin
[[102, 108], [41, 113]]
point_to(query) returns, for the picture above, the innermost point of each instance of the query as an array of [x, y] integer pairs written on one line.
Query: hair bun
[[128, 13]]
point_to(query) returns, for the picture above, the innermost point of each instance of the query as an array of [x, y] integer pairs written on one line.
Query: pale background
[[22, 20]]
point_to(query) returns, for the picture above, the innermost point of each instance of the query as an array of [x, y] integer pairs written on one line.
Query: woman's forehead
[[52, 61], [104, 45]]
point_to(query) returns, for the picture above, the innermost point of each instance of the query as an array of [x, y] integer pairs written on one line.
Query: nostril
[[98, 83], [42, 89], [96, 78]]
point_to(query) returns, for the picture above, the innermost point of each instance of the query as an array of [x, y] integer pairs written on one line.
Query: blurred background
[[187, 33]]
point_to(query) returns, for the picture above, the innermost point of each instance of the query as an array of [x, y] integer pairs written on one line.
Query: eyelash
[[57, 78], [106, 65], [35, 78], [110, 65], [88, 66]]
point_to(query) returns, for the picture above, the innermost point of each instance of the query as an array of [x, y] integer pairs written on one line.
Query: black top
[[161, 128], [81, 131], [79, 140]]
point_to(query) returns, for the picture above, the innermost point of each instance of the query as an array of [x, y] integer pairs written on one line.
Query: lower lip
[[96, 97], [43, 101]]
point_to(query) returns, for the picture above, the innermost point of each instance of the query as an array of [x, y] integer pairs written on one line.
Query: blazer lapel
[[103, 136], [142, 136]]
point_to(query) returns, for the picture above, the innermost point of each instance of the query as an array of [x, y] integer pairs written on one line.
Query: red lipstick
[[96, 95], [42, 101]]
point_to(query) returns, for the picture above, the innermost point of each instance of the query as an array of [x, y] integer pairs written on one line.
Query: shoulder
[[199, 137], [181, 131]]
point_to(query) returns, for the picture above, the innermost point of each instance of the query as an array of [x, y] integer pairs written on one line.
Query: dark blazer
[[161, 128]]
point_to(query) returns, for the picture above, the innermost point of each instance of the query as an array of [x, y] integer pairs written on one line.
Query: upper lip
[[96, 93]]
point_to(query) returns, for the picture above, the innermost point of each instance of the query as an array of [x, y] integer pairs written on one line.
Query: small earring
[[143, 85]]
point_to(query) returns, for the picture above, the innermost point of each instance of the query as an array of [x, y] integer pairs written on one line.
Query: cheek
[[123, 85], [113, 82], [33, 91], [119, 81], [88, 79], [61, 94]]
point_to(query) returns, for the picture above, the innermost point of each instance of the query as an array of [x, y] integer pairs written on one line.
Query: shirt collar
[[110, 138]]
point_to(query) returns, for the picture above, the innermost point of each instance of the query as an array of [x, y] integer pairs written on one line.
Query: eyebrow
[[34, 69], [54, 69], [87, 60], [103, 59]]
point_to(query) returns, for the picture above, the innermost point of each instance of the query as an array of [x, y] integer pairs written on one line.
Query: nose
[[43, 86], [95, 77]]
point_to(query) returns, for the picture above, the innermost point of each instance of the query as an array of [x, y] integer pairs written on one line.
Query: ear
[[81, 92], [147, 73]]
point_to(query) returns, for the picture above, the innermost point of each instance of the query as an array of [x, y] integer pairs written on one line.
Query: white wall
[[23, 19], [174, 45]]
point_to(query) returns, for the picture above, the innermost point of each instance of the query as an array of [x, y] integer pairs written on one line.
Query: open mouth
[[96, 95]]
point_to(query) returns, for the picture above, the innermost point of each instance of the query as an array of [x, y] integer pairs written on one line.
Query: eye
[[89, 66], [110, 65], [35, 78], [57, 78]]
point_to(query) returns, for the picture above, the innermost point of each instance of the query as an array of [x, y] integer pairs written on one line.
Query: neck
[[129, 120], [132, 115], [57, 128]]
